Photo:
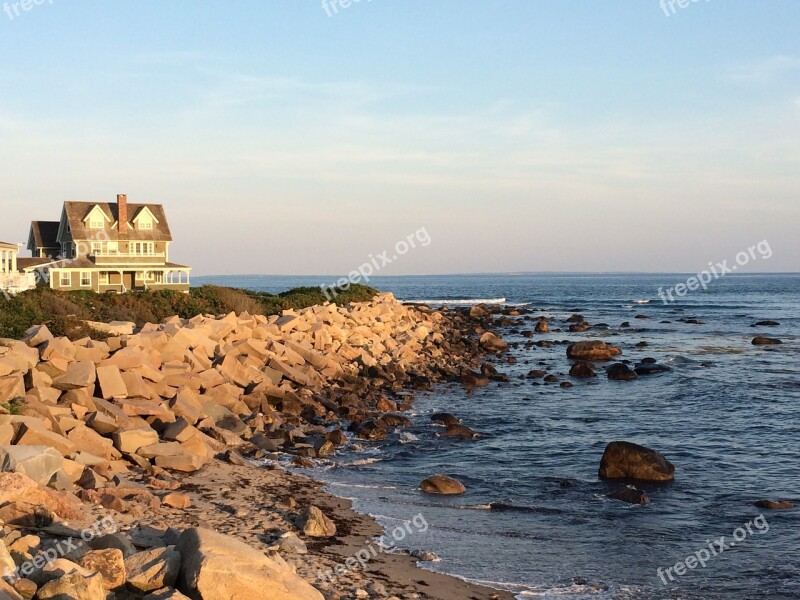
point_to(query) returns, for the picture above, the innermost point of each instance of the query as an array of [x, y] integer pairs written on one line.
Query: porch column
[[13, 262], [3, 262]]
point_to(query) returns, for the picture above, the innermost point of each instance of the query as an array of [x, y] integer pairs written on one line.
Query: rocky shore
[[133, 466]]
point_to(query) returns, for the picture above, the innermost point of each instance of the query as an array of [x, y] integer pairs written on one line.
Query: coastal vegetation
[[65, 313]]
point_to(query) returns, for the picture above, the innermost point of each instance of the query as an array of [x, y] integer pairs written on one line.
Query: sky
[[519, 135]]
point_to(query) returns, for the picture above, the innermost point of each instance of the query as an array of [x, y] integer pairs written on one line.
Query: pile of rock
[[79, 416]]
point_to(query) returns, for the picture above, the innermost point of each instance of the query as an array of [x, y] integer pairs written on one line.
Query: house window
[[86, 279], [145, 224], [104, 277], [97, 248], [96, 223], [66, 279]]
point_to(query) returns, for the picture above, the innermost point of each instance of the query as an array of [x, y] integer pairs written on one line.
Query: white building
[[12, 280]]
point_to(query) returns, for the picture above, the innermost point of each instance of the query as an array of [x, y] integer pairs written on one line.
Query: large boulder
[[592, 350], [220, 567], [39, 463], [625, 460], [442, 485]]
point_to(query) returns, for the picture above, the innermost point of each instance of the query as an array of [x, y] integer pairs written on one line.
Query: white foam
[[465, 302]]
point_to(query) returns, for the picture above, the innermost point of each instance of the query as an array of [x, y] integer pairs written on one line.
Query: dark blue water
[[726, 416]]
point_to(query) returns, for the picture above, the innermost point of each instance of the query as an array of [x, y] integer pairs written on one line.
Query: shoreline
[[152, 424]]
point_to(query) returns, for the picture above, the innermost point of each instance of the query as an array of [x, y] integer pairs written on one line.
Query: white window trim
[[89, 274], [65, 275]]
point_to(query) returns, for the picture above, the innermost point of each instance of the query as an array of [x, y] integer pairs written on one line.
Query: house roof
[[45, 233], [7, 246], [76, 212], [25, 264]]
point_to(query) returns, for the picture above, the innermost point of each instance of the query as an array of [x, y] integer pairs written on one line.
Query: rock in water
[[765, 341], [625, 460], [316, 524], [442, 485], [775, 504], [621, 372], [493, 342], [582, 370], [220, 567], [631, 496], [592, 350]]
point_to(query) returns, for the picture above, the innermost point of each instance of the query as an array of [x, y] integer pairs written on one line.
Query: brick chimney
[[122, 214]]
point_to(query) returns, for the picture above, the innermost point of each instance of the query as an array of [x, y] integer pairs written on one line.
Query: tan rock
[[111, 383], [78, 375], [74, 586], [160, 449], [88, 440], [130, 440], [110, 564], [37, 335], [28, 435], [316, 524], [16, 487], [153, 569], [185, 463], [220, 567], [11, 387], [176, 500], [40, 463]]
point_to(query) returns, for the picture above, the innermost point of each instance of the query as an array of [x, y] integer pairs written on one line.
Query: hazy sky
[[522, 135]]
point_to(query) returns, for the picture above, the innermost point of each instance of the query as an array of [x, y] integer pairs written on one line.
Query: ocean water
[[727, 416]]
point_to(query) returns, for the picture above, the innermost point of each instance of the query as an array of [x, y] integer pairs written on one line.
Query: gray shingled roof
[[77, 212], [45, 233]]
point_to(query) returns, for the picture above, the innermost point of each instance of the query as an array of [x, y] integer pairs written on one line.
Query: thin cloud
[[764, 70]]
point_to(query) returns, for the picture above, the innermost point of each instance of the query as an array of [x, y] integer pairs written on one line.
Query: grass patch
[[64, 313]]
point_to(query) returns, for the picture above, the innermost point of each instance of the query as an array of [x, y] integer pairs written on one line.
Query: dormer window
[[96, 219], [145, 220]]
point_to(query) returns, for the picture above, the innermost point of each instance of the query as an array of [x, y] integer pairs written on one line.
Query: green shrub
[[64, 313]]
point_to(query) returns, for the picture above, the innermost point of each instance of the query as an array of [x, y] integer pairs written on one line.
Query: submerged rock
[[651, 368], [631, 496], [444, 419], [626, 460], [775, 504], [582, 370], [621, 372], [442, 485], [765, 341]]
